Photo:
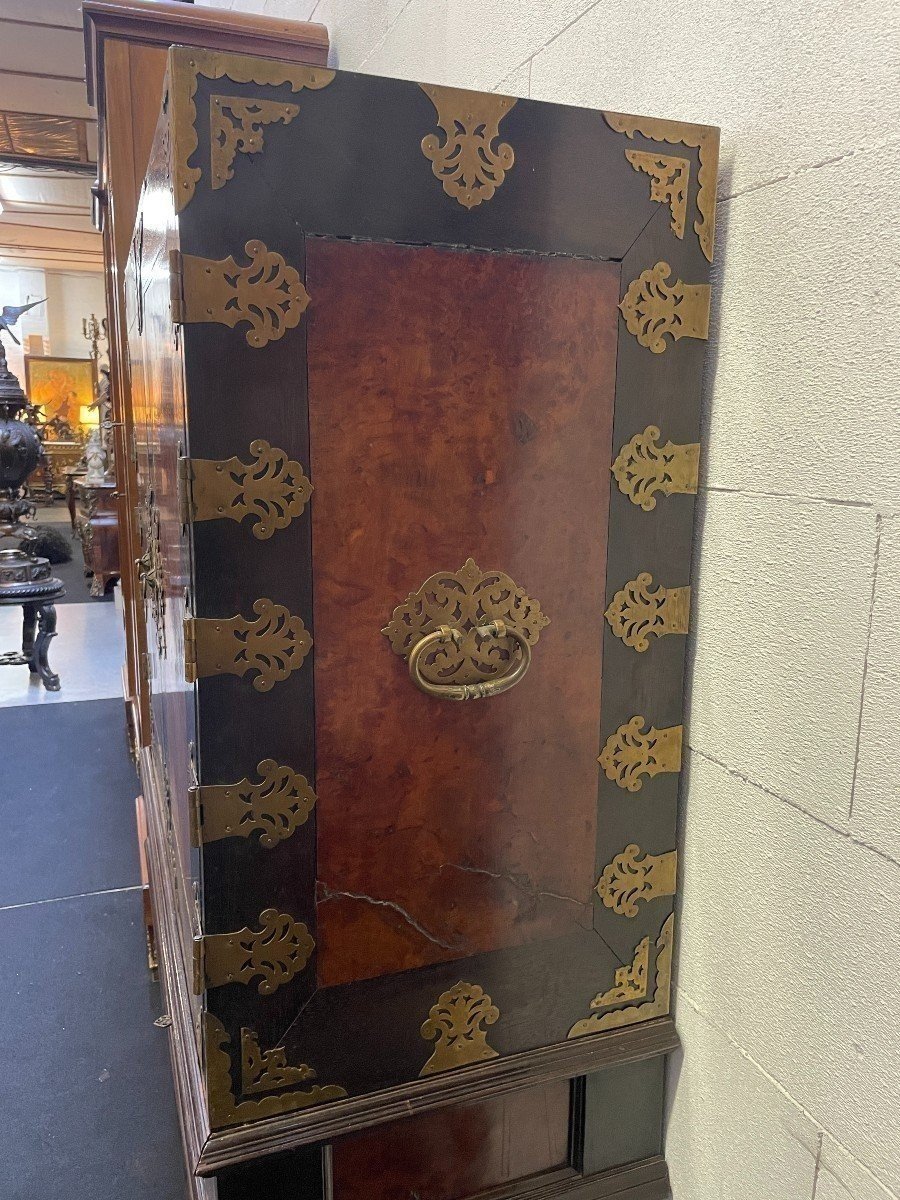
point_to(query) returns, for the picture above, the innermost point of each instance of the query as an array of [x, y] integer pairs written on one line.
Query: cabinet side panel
[[460, 408]]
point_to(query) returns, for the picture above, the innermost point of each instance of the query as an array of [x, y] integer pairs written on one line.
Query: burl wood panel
[[460, 405], [455, 1153]]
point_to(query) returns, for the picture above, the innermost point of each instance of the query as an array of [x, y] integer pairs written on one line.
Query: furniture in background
[[126, 42], [71, 475], [29, 582], [25, 579], [97, 525], [412, 946], [49, 480]]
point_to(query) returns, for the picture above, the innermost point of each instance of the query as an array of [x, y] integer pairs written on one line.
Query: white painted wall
[[788, 996], [70, 296]]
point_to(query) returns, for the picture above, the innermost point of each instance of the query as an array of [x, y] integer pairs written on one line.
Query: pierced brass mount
[[273, 645], [261, 1071], [468, 164], [274, 953], [267, 293], [637, 611], [270, 491], [455, 1024], [653, 307], [630, 753], [275, 807], [629, 880], [634, 1014], [705, 138], [467, 633], [643, 468]]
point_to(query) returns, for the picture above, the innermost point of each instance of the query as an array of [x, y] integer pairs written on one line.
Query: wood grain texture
[[453, 1154], [460, 405]]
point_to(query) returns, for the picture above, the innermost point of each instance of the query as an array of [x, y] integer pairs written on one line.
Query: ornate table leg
[[29, 621], [38, 664]]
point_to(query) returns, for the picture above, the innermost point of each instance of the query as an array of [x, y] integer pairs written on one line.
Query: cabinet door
[[164, 567], [443, 355]]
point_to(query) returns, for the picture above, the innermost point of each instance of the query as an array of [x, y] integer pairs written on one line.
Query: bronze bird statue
[[11, 313]]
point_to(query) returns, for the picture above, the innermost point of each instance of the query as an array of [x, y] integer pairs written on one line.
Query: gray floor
[[89, 647], [88, 1111]]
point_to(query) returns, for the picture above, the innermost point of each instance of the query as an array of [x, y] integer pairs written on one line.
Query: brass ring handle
[[469, 691]]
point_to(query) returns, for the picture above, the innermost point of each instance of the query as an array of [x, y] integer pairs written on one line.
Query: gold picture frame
[[61, 387]]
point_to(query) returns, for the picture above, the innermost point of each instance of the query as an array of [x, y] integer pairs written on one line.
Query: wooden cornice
[[168, 22]]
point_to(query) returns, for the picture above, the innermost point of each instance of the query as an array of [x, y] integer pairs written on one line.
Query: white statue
[[95, 457]]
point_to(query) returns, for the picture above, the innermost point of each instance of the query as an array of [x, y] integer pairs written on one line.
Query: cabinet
[[126, 42], [416, 375], [98, 528]]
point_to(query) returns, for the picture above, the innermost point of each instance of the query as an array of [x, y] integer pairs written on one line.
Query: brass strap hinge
[[633, 752], [638, 611], [176, 287], [195, 815], [270, 491], [274, 954], [266, 293], [198, 975], [274, 807], [273, 645], [185, 502], [190, 649]]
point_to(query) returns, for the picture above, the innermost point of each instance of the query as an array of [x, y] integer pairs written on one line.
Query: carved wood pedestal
[[416, 459], [97, 524]]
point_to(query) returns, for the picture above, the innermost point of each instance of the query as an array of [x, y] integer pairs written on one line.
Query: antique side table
[[98, 527], [28, 581]]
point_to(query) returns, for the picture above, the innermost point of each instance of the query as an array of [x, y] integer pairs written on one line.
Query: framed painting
[[61, 387]]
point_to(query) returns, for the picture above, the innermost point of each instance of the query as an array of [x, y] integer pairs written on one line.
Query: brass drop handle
[[146, 572], [469, 691]]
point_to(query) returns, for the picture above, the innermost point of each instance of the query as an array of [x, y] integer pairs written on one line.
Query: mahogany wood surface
[[450, 1155], [475, 822]]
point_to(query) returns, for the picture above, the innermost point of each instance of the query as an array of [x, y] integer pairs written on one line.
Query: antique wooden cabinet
[[125, 48], [416, 379]]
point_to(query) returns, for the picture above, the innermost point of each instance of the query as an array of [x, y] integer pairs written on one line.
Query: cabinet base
[[647, 1179], [233, 1155]]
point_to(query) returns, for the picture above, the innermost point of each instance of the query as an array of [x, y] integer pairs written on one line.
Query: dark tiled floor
[[88, 1111], [69, 822]]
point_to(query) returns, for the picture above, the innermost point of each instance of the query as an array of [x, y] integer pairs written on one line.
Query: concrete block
[[491, 38], [780, 616], [415, 45], [841, 1177], [356, 30], [731, 1133], [801, 397], [876, 799], [789, 940], [784, 81], [516, 83]]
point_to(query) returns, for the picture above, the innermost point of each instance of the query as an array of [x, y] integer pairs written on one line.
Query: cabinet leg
[[46, 626]]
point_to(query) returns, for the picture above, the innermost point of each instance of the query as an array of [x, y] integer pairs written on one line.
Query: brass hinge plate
[[266, 293], [176, 287], [273, 953], [638, 611], [270, 491], [273, 645], [275, 807]]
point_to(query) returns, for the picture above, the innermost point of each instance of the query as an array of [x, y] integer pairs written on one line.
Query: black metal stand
[[38, 629]]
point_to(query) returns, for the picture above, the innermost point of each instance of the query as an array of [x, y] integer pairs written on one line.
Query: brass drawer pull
[[469, 691]]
